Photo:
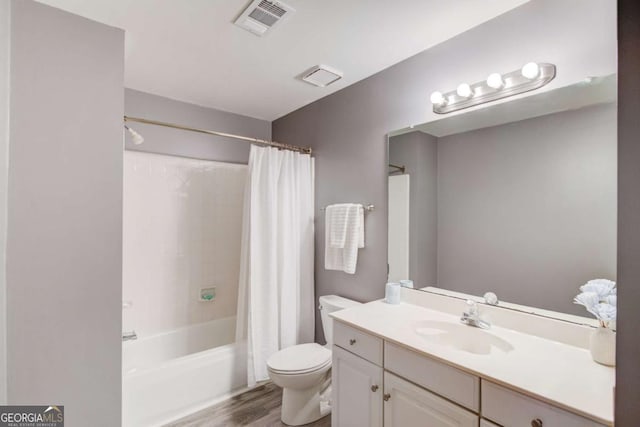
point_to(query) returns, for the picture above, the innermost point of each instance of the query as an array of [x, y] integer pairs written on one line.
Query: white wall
[[182, 232], [64, 242], [4, 147]]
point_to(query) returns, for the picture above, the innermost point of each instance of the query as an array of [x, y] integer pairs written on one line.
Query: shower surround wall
[[162, 140], [182, 229]]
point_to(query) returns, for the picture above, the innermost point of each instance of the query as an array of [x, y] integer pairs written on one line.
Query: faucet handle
[[130, 335], [491, 298], [472, 308]]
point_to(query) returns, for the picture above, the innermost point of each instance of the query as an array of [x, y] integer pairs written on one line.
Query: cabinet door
[[356, 391], [407, 405]]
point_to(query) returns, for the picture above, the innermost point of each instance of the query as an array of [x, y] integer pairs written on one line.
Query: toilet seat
[[299, 359]]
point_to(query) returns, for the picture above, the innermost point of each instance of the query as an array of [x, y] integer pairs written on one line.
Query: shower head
[[136, 138]]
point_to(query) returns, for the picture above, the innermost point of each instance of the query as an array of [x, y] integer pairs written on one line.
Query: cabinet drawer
[[452, 383], [485, 423], [354, 340], [513, 409]]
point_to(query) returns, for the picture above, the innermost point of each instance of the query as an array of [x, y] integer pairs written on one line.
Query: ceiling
[[190, 50]]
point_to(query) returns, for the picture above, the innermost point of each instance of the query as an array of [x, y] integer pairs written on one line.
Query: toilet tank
[[329, 304]]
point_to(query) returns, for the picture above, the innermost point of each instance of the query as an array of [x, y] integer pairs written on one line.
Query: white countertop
[[559, 374]]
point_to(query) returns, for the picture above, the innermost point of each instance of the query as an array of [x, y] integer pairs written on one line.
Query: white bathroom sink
[[461, 337]]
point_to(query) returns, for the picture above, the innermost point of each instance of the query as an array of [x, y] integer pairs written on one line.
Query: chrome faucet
[[129, 336], [471, 317]]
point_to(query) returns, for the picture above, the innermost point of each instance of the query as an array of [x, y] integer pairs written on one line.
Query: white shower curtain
[[275, 295]]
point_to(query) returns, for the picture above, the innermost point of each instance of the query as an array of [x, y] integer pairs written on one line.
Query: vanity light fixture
[[531, 76]]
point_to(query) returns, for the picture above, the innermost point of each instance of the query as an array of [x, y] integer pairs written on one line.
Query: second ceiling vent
[[263, 15], [321, 76]]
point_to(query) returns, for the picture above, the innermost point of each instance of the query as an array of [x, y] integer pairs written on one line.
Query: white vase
[[603, 346]]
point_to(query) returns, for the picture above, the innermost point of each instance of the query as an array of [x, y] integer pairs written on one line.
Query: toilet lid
[[300, 358]]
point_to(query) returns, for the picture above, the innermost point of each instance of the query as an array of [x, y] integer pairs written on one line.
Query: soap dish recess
[[207, 294]]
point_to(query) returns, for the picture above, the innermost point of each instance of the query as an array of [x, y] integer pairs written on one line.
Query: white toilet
[[304, 370]]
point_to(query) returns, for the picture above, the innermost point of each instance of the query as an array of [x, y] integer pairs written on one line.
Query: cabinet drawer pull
[[536, 423], [374, 388], [387, 396], [352, 341]]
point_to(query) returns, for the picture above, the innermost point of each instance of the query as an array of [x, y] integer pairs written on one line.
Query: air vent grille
[[263, 15], [272, 8], [321, 76]]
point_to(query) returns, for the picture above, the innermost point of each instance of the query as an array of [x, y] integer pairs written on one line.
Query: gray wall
[[528, 209], [64, 246], [164, 140], [417, 152], [347, 129], [628, 343], [4, 146]]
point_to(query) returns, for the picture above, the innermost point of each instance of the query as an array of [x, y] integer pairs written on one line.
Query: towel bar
[[367, 208]]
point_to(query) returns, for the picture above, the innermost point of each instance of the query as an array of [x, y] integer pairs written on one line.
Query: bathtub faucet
[[128, 336]]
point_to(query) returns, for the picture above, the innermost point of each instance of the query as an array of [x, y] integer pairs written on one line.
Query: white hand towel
[[336, 223], [344, 234]]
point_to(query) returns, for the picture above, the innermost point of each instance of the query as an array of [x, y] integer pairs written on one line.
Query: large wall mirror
[[517, 198]]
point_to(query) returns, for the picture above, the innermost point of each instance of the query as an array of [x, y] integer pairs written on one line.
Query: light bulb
[[438, 99], [464, 91], [530, 70], [495, 81]]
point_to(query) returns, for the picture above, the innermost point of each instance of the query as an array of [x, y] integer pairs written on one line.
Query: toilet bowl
[[304, 370]]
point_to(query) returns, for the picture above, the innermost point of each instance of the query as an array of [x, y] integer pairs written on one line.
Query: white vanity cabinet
[[377, 383]]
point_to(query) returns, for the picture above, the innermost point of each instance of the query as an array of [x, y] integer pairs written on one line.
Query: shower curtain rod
[[305, 150]]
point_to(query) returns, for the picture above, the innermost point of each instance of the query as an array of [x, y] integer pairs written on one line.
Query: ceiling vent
[[263, 15], [321, 76]]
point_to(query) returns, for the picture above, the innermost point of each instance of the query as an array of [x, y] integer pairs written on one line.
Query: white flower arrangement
[[599, 297]]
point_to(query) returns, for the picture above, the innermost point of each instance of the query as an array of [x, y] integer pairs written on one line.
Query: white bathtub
[[170, 375]]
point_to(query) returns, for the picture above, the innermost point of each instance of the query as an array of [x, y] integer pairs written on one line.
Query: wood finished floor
[[259, 407]]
